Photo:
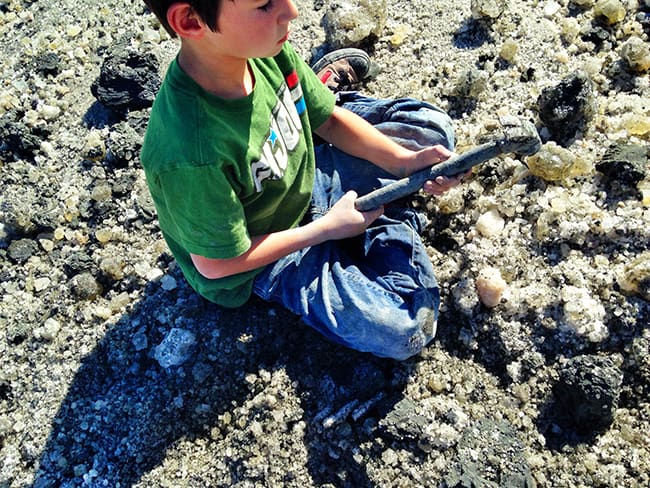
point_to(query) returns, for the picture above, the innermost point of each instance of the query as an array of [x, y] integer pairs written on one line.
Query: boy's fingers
[[374, 214]]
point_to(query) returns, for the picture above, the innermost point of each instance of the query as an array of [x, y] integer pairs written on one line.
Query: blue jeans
[[375, 292]]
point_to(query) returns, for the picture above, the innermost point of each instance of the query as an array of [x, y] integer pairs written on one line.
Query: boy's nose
[[291, 11]]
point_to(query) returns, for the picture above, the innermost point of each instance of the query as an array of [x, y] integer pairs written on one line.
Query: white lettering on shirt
[[283, 137]]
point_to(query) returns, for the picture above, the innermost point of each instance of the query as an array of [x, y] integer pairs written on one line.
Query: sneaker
[[343, 69]]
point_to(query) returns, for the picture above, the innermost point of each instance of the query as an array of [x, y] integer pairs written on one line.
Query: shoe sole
[[339, 54]]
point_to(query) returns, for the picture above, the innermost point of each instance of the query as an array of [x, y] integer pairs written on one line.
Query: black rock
[[626, 163], [78, 262], [566, 107], [128, 80], [18, 141], [588, 392]]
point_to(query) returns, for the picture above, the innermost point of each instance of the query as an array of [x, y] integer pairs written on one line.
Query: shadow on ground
[[123, 411]]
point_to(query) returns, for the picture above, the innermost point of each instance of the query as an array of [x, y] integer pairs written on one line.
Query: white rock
[[490, 286], [490, 224]]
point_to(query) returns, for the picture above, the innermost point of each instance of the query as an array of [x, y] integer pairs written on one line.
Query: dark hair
[[207, 10]]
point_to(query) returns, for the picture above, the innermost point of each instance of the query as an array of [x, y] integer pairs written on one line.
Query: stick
[[520, 137]]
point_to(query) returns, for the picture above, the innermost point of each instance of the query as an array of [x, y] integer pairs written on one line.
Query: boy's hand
[[344, 220], [433, 155]]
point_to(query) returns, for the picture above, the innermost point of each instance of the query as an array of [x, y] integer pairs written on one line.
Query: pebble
[[584, 314], [490, 224], [636, 53], [490, 286], [554, 163], [611, 10], [176, 348], [487, 9], [635, 277], [350, 23], [50, 329]]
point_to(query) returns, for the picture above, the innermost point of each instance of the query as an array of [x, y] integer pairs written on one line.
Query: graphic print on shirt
[[283, 137]]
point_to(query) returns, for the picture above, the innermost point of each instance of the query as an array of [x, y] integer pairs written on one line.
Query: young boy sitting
[[249, 204]]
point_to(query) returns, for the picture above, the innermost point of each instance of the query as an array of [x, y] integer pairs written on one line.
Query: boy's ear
[[184, 21]]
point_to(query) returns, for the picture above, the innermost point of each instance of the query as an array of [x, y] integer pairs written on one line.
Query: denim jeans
[[375, 292]]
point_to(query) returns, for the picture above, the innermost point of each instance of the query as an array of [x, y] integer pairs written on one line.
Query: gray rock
[[176, 348], [490, 455], [404, 422], [22, 249], [86, 287]]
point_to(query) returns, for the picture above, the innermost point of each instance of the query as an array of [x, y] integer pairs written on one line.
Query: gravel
[[115, 373]]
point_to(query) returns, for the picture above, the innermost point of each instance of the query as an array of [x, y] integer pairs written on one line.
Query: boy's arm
[[357, 137], [341, 221]]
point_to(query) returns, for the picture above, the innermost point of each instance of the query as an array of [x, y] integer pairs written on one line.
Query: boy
[[248, 204]]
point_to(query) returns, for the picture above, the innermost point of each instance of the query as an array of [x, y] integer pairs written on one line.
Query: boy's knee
[[411, 340]]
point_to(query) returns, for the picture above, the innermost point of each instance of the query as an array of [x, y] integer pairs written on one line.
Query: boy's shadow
[[123, 412]]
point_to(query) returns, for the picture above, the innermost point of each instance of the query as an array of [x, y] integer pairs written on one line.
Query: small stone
[[403, 421], [470, 83], [400, 34], [139, 340], [636, 53], [50, 112], [22, 249], [350, 23], [113, 266], [490, 224], [509, 50], [73, 31], [94, 147], [101, 192], [50, 329], [553, 163], [86, 287], [611, 10], [635, 277], [482, 450], [584, 314], [551, 8], [176, 348], [490, 286], [103, 235], [625, 163], [636, 125], [42, 283], [168, 283], [487, 9], [128, 80], [46, 244]]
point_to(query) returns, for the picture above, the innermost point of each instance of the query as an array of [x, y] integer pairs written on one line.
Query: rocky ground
[[114, 373]]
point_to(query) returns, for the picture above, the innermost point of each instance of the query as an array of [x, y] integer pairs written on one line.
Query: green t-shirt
[[221, 171]]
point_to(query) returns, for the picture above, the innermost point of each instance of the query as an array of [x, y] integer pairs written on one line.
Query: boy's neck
[[225, 77]]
